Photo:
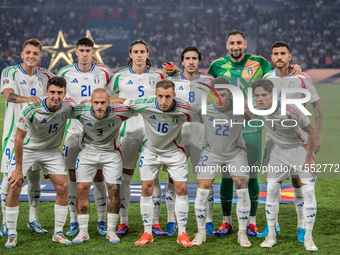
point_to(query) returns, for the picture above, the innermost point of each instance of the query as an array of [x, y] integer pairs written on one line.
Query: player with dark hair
[[82, 78]]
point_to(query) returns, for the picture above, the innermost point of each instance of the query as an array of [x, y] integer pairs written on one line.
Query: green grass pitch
[[326, 234]]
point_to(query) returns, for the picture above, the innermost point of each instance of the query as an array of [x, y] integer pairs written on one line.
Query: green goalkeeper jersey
[[241, 74]]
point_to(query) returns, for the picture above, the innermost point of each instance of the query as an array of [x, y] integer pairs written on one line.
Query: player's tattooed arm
[[318, 116], [241, 183], [10, 96], [113, 203]]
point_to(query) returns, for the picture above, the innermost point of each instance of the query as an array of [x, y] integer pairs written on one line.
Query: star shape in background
[[98, 48], [61, 50]]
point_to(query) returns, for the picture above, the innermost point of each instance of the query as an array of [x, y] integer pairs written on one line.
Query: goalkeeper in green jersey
[[242, 69]]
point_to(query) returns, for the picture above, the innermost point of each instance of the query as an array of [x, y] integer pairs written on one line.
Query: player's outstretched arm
[[117, 100], [309, 163], [10, 96], [295, 69], [17, 174], [318, 116]]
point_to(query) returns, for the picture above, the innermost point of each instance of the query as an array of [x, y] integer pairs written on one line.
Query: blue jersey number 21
[[86, 90]]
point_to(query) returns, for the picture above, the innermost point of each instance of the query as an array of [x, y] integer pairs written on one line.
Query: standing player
[[163, 117], [101, 122], [138, 80], [189, 85], [44, 125], [82, 78], [21, 84], [242, 70], [291, 155], [281, 78], [225, 149]]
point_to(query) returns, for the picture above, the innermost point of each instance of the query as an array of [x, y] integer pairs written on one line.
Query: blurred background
[[311, 27]]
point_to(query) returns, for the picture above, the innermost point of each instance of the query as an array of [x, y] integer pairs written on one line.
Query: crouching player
[[101, 121], [45, 125], [164, 117], [291, 155], [225, 150]]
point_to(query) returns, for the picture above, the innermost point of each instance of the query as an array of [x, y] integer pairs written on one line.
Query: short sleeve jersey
[[80, 86], [284, 134], [131, 85], [102, 135], [299, 81], [222, 139], [191, 91], [16, 78], [162, 129], [45, 128]]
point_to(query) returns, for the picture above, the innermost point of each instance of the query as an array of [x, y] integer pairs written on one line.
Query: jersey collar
[[156, 105], [24, 72], [198, 76], [91, 69], [108, 112], [289, 75], [45, 106], [133, 72]]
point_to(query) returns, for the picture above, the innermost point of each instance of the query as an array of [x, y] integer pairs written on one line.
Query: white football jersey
[[223, 139], [16, 78], [162, 129], [191, 92], [102, 135], [80, 86], [285, 136], [131, 85], [45, 128], [299, 81]]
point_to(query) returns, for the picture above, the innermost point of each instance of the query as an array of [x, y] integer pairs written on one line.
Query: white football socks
[[298, 202], [272, 206], [34, 192], [83, 220], [60, 214], [12, 219], [100, 197], [201, 208], [210, 204], [125, 195], [4, 193], [72, 200], [157, 200], [146, 210], [181, 210], [112, 220], [243, 209], [309, 209], [170, 200]]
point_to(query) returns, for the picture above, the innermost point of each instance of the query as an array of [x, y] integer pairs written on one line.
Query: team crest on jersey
[[130, 102], [63, 115], [111, 123], [291, 84], [96, 79], [175, 119], [41, 84], [151, 81], [6, 81], [250, 71], [22, 120]]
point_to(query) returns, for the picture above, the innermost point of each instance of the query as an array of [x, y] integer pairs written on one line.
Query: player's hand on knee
[[16, 178]]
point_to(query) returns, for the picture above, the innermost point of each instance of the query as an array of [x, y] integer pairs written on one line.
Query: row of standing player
[[141, 92]]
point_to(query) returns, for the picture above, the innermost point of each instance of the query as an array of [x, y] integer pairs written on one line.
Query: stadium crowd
[[310, 27]]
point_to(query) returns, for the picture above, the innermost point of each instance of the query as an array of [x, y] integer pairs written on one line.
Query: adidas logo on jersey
[[153, 117], [129, 82], [23, 82], [43, 121], [88, 124], [74, 80], [180, 88], [211, 119]]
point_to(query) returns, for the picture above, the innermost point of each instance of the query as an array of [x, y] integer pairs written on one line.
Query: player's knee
[[62, 188], [99, 176], [181, 190]]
